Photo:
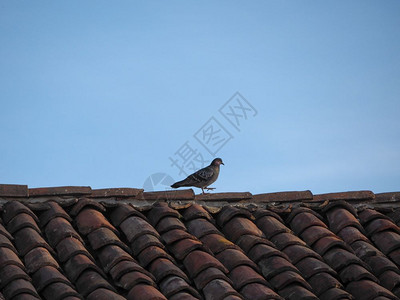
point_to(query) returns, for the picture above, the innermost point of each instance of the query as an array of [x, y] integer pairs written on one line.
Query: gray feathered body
[[202, 178]]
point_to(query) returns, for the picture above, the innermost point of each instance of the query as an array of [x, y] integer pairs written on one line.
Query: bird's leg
[[202, 191]]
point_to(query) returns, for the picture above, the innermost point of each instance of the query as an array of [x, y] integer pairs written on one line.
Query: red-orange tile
[[243, 275], [122, 212], [174, 284], [219, 289], [20, 221], [85, 203], [218, 243], [130, 279], [201, 227], [229, 212], [197, 261], [196, 211], [151, 253], [163, 267], [143, 291], [104, 294], [53, 210], [48, 275], [102, 237], [144, 241], [13, 208], [69, 247], [368, 290], [110, 255], [17, 287], [274, 265], [232, 258], [209, 274], [161, 210], [58, 229], [239, 226], [38, 258], [175, 235], [133, 227], [271, 226], [89, 220], [256, 291], [27, 239], [184, 247], [169, 223], [9, 257], [9, 273]]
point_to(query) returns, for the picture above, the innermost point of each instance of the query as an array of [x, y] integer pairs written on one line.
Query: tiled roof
[[78, 243]]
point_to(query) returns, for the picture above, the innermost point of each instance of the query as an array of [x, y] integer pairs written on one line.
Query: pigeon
[[203, 177]]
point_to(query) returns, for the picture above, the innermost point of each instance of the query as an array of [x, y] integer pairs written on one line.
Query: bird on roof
[[203, 177]]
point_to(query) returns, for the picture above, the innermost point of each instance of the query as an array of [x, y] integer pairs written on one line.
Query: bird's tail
[[178, 184]]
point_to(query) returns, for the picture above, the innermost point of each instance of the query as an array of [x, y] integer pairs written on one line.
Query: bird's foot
[[209, 189]]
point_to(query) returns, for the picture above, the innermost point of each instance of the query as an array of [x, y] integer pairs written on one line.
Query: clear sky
[[110, 93]]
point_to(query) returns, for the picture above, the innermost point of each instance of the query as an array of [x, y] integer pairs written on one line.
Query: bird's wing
[[203, 175]]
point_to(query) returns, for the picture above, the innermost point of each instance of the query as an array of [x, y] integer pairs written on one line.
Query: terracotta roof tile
[[13, 208], [258, 291], [173, 285], [20, 221], [13, 190], [47, 275], [143, 291], [144, 241], [77, 264], [60, 190], [197, 261], [124, 244], [105, 294], [96, 281], [163, 267], [115, 192], [232, 258], [123, 211], [271, 226], [322, 282], [243, 275], [86, 203], [102, 237], [182, 296], [17, 287], [89, 220], [58, 229], [201, 227], [152, 253], [11, 272], [239, 226], [175, 235], [8, 256], [184, 247], [37, 258], [367, 289], [196, 211], [219, 289], [217, 243], [169, 223], [52, 211]]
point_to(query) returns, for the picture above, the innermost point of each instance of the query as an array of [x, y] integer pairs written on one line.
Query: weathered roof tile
[[13, 190], [124, 244]]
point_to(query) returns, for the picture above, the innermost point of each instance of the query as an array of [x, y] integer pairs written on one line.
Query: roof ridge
[[288, 199]]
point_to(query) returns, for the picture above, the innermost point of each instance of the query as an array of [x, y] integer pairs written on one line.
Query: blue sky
[[107, 94]]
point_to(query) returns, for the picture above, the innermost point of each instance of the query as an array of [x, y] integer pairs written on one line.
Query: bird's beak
[[222, 163]]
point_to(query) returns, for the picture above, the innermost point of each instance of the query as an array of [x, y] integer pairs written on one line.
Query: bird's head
[[217, 162]]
